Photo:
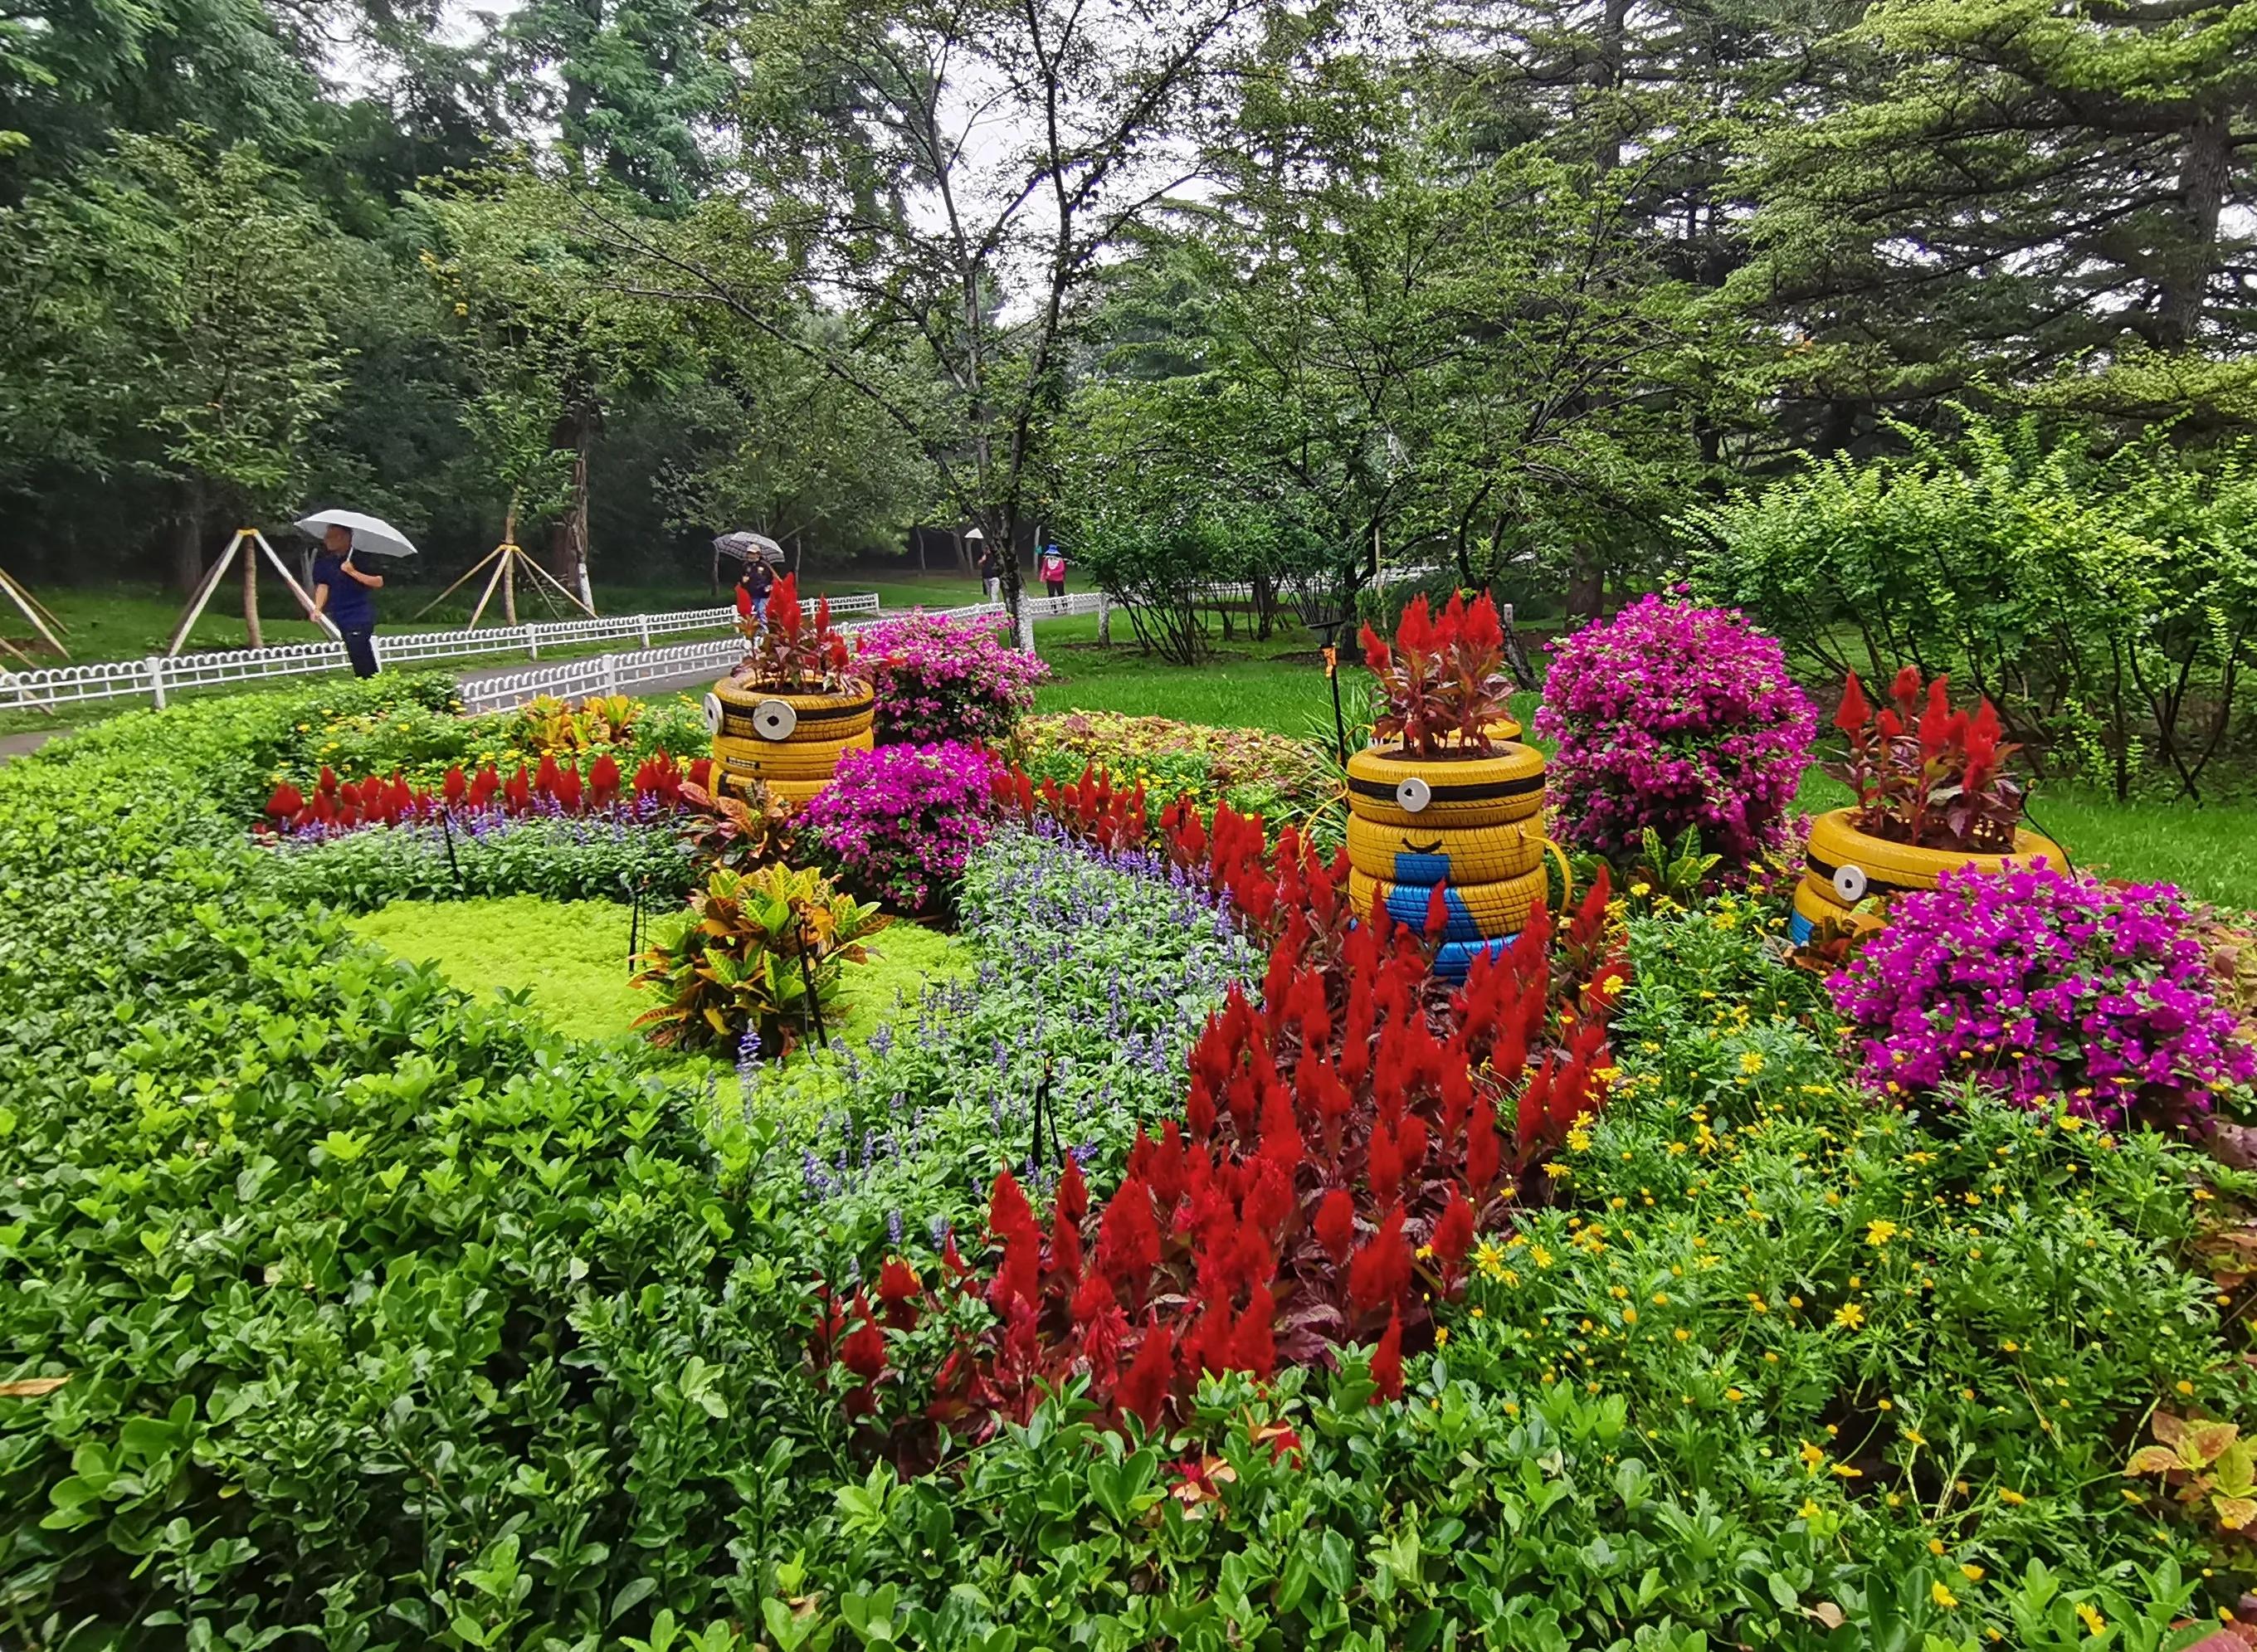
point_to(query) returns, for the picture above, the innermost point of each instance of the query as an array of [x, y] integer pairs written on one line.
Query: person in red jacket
[[1053, 570]]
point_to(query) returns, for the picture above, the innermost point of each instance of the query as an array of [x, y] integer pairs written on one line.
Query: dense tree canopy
[[1308, 291]]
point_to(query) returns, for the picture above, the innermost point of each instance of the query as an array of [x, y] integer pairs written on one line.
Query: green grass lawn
[[568, 959]]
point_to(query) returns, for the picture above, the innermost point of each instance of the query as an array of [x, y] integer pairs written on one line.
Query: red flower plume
[[1335, 1223], [1855, 712], [1387, 1361], [1143, 1392]]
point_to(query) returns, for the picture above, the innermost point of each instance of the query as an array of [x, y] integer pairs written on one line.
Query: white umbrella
[[373, 535]]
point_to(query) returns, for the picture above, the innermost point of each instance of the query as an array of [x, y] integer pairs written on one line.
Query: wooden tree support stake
[[251, 544], [42, 621]]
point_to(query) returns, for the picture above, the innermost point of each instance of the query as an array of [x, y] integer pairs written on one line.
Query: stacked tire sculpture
[[790, 742], [1844, 866], [1474, 825]]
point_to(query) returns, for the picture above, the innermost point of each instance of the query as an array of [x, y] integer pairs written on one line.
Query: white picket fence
[[620, 674], [159, 677]]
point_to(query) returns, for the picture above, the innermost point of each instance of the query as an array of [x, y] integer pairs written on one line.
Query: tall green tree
[[167, 320], [2045, 199]]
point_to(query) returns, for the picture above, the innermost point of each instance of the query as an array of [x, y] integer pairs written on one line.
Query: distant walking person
[[342, 591], [1053, 570], [991, 573], [754, 582]]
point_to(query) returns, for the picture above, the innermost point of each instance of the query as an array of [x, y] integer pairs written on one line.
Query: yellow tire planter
[[1474, 825], [1456, 855], [1844, 866], [789, 742]]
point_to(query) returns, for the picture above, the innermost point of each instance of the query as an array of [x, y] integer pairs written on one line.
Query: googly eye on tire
[[1412, 796], [713, 713], [775, 719], [1849, 884]]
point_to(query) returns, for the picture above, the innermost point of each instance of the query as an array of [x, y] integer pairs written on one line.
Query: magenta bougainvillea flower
[[1670, 715], [942, 679], [903, 819], [2048, 988]]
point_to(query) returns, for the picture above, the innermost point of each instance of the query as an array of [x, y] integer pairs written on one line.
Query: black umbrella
[[744, 546]]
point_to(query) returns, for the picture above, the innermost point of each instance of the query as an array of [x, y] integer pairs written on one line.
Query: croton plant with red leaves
[[1926, 774], [553, 788], [1442, 678], [1345, 1140]]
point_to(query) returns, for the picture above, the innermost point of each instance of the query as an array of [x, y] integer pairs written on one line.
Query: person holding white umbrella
[[341, 590]]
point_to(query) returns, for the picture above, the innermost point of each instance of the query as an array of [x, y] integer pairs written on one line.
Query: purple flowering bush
[[1668, 717], [942, 679], [902, 820], [2041, 985]]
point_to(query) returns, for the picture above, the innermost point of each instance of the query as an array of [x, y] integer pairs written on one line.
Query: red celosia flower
[[1335, 1223], [1007, 1210], [1128, 1239], [284, 801], [1072, 1191], [1253, 1345], [1281, 1137], [1143, 1392], [1019, 1278], [1380, 1271], [899, 1290], [1411, 1144], [1906, 691], [603, 778], [1854, 713], [1453, 1231], [1199, 1109], [864, 1351], [1097, 1313], [1066, 1249], [1387, 1360], [1384, 1164], [1269, 1199], [1376, 652], [1438, 912]]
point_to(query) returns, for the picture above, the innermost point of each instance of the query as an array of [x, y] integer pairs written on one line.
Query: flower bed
[[940, 679], [340, 1309], [1256, 772], [901, 820], [2042, 985]]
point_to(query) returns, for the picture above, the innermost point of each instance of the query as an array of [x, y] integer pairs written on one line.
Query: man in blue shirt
[[342, 591]]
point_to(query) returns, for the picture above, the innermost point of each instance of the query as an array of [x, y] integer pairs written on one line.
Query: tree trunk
[[188, 545], [1587, 585], [2190, 262], [568, 540], [251, 595]]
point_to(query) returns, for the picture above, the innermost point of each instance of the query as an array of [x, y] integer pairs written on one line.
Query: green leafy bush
[[2107, 605]]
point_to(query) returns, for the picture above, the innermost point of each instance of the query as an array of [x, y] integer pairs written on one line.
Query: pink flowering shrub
[[902, 820], [942, 679], [2041, 985], [1671, 715]]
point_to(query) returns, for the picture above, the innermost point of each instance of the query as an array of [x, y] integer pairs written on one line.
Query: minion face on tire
[[790, 742], [1435, 854], [1472, 825]]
